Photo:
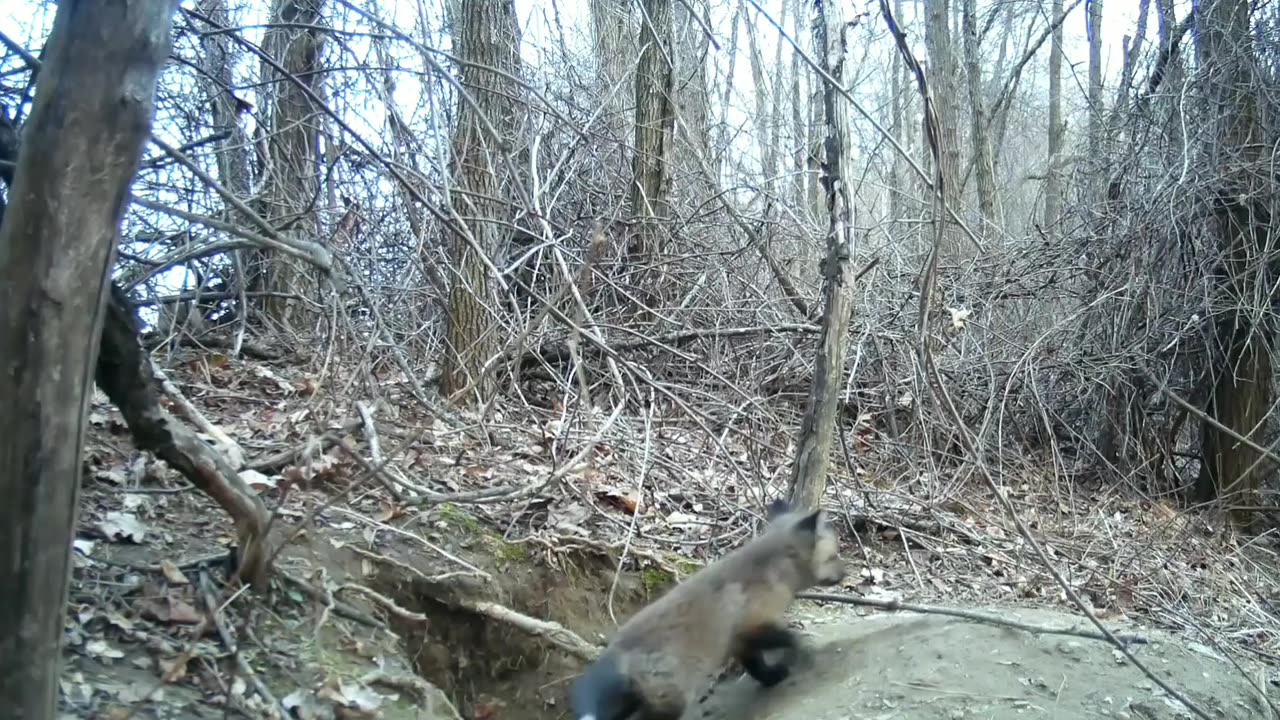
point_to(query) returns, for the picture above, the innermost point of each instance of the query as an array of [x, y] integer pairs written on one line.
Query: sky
[[23, 19]]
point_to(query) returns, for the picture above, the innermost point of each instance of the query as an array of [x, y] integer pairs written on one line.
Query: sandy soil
[[891, 666]]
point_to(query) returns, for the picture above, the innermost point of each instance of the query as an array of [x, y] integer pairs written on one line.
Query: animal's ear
[[809, 523], [776, 509]]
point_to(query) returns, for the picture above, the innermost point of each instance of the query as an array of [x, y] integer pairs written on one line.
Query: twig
[[426, 692], [387, 603], [327, 440], [549, 630], [207, 594], [339, 608]]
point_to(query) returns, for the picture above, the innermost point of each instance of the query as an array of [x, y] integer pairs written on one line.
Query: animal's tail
[[602, 692]]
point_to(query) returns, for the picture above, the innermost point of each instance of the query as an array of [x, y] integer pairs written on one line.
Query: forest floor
[[383, 607]]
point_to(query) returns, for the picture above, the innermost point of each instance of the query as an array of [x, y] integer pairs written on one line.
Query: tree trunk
[[898, 108], [1053, 176], [81, 148], [1096, 150], [1242, 390], [942, 79], [984, 169], [813, 446], [488, 37], [613, 37], [291, 182], [799, 133], [654, 128]]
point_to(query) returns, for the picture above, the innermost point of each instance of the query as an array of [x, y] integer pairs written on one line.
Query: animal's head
[[811, 542]]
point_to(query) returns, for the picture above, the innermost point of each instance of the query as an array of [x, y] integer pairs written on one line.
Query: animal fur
[[732, 608]]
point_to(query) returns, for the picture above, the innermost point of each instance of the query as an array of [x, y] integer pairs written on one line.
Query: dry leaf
[[172, 671], [172, 573], [122, 526]]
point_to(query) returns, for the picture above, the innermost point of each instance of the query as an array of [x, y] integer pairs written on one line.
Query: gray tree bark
[[81, 148]]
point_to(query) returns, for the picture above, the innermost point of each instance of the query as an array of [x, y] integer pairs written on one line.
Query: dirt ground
[[890, 666]]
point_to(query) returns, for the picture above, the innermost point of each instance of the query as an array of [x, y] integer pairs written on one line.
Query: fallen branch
[[898, 605], [124, 372]]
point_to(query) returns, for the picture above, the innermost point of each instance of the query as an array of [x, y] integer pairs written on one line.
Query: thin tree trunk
[[1053, 177], [1097, 145], [809, 472], [977, 120], [81, 148]]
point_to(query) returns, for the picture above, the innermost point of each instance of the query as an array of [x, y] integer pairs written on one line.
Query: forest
[[381, 359]]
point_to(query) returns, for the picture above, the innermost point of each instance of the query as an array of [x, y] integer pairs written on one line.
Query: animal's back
[[676, 644]]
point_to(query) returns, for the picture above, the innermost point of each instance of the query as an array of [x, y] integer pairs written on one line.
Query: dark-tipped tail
[[602, 692]]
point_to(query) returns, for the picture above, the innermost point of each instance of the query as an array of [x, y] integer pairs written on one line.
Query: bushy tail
[[602, 692]]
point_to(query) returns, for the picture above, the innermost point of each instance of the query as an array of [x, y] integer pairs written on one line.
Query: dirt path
[[914, 667]]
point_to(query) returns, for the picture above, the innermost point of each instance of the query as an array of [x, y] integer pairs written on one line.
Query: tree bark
[[1097, 145], [291, 178], [488, 37], [1053, 177], [1242, 391], [813, 446], [984, 168], [654, 127], [942, 78], [82, 146]]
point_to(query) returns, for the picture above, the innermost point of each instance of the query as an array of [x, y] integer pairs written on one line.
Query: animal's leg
[[753, 647]]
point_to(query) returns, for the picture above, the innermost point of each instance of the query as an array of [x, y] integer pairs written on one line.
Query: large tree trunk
[[291, 182], [488, 36], [82, 145], [613, 37], [1242, 391], [234, 150], [813, 446]]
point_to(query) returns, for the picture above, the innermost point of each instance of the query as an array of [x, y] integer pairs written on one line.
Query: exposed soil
[[885, 667]]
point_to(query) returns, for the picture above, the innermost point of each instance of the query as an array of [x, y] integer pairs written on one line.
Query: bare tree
[[1057, 132], [1097, 148], [1242, 390], [817, 428], [613, 35], [979, 139], [943, 71], [488, 44], [291, 174], [654, 125], [81, 149]]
